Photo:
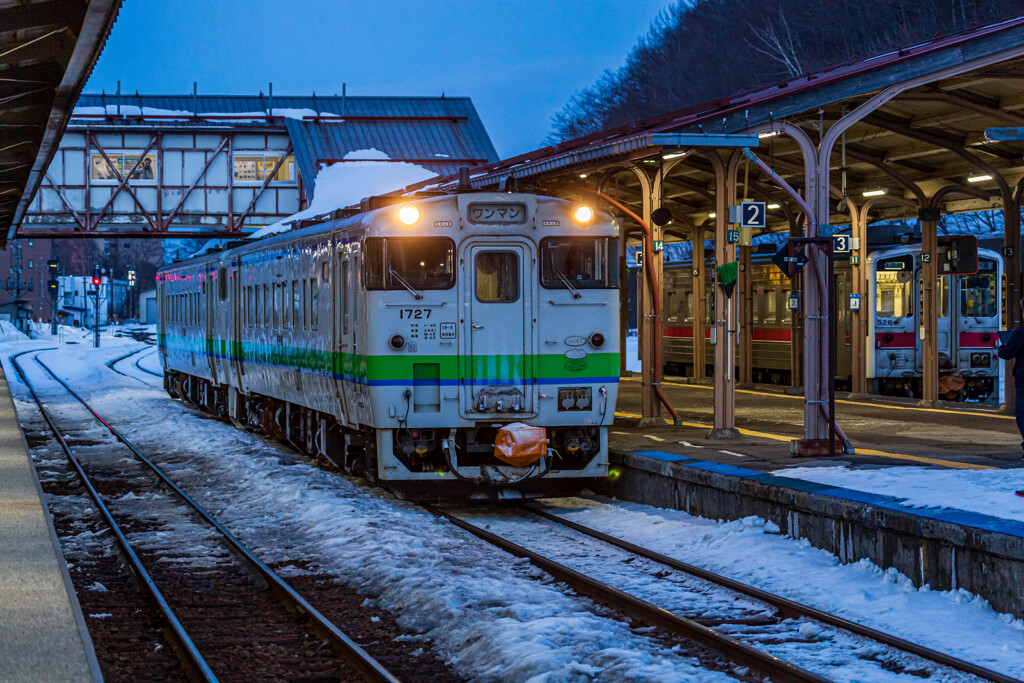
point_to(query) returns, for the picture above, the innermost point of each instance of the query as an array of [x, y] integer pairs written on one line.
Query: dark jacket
[[1013, 349]]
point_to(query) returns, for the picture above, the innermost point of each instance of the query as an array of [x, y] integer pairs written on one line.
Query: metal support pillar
[[700, 297], [796, 328], [859, 318], [1011, 270], [930, 309], [650, 325], [725, 315]]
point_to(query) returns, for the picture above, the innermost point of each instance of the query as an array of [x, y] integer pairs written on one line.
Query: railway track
[[740, 621], [226, 611], [137, 354]]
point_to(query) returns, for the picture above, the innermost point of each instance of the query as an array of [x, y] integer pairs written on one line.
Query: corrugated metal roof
[[740, 111], [332, 104], [441, 146]]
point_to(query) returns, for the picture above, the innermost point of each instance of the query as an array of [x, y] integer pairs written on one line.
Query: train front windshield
[[579, 263], [978, 293], [403, 262]]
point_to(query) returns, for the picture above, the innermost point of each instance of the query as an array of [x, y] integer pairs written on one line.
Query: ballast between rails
[[368, 667], [193, 659], [641, 610], [784, 605]]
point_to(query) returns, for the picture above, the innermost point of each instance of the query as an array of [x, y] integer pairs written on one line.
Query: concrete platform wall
[[944, 549]]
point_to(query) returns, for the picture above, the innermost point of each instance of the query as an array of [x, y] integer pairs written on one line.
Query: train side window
[[344, 297], [782, 307], [277, 305], [266, 305], [325, 271], [286, 306], [305, 304], [672, 307], [687, 313], [771, 308], [222, 278], [314, 313], [979, 296], [296, 305], [755, 306]]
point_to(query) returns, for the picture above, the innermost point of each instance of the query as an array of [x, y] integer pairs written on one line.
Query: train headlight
[[597, 339], [408, 214], [584, 214], [396, 342]]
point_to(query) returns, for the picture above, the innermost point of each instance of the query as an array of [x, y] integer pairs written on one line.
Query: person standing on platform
[[1012, 346]]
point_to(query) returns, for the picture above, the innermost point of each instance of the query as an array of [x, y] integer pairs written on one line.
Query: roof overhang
[[47, 52], [927, 109]]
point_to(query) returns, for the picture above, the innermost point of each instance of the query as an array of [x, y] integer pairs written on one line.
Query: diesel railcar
[[970, 309], [404, 341]]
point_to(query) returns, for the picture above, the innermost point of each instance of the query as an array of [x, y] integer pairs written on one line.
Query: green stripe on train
[[400, 366]]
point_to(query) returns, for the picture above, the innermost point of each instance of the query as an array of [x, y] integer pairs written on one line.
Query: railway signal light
[[957, 254], [96, 280]]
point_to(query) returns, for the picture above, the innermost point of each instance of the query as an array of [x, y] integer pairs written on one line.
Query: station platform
[[43, 636], [884, 431], [929, 492]]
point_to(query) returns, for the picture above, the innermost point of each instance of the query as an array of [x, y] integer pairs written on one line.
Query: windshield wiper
[[568, 285], [401, 281]]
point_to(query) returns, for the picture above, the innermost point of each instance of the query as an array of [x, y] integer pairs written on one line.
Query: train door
[[892, 327], [976, 307], [945, 330], [343, 333], [499, 371], [232, 309], [213, 317]]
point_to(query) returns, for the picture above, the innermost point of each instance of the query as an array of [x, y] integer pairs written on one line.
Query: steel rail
[[137, 364], [785, 606], [368, 667], [111, 363], [193, 659], [641, 610]]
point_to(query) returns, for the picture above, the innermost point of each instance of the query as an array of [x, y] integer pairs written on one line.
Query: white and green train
[[397, 341]]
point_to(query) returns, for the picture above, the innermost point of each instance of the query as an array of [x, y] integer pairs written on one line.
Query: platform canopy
[[896, 135], [931, 134], [47, 51]]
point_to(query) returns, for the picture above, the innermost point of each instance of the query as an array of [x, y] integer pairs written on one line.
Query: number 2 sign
[[752, 215]]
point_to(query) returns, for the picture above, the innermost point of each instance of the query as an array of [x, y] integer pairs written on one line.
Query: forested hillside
[[698, 50]]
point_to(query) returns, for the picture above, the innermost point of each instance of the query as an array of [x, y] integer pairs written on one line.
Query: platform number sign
[[793, 302], [855, 302], [753, 215], [840, 244]]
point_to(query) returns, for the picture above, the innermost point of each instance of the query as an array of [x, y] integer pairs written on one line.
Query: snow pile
[[752, 551], [989, 492], [135, 110], [10, 333], [365, 173]]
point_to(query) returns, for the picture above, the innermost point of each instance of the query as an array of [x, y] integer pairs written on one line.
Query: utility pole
[[53, 266], [97, 280]]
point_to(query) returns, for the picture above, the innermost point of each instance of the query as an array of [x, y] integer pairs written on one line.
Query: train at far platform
[[445, 345], [970, 308]]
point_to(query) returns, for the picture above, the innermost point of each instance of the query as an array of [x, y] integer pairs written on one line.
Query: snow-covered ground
[[491, 616], [752, 550], [989, 492]]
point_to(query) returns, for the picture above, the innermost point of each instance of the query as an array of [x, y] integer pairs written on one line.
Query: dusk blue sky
[[519, 61]]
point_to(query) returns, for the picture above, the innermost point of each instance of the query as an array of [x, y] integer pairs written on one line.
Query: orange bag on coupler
[[520, 445]]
